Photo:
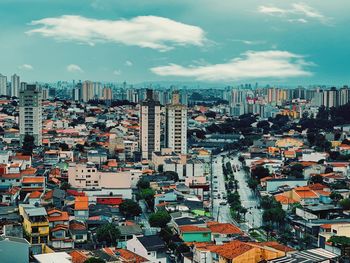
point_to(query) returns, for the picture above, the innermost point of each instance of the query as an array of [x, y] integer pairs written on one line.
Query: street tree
[[130, 208], [159, 219], [108, 233]]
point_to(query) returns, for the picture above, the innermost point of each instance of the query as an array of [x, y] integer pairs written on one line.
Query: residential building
[[176, 125], [30, 113], [150, 125], [15, 85]]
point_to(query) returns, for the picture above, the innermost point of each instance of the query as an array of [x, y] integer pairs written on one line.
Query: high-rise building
[[3, 85], [330, 98], [176, 125], [343, 95], [30, 113], [15, 85], [150, 125], [87, 92], [107, 94]]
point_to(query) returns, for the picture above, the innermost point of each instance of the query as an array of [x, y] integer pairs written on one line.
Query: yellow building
[[35, 223]]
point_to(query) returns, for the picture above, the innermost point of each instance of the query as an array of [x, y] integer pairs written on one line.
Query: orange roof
[[306, 194], [284, 199], [29, 170], [77, 225], [278, 246], [48, 195], [224, 228], [35, 194], [232, 249], [193, 229], [78, 256], [81, 203], [128, 256], [317, 186], [33, 179], [63, 216], [12, 191], [11, 176]]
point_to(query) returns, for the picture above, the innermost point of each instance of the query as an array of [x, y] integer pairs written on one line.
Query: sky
[[203, 41]]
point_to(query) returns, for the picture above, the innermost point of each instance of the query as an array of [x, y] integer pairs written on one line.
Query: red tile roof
[[224, 228]]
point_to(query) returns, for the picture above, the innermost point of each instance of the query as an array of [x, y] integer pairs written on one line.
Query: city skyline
[[291, 42]]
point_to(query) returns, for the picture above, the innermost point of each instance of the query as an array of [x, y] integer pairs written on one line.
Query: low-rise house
[[14, 249], [35, 223], [195, 234], [223, 230], [150, 247], [81, 208], [78, 231]]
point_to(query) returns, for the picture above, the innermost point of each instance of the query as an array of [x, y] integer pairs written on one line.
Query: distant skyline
[[231, 42]]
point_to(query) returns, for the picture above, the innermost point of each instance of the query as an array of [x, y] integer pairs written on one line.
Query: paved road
[[221, 213], [248, 198]]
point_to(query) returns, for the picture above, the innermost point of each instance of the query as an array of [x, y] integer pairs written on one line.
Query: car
[[219, 196], [223, 203], [215, 190], [215, 176]]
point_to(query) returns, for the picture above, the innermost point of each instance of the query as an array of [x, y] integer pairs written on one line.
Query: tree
[[335, 196], [143, 183], [342, 241], [64, 146], [296, 170], [65, 186], [345, 203], [316, 179], [108, 233], [241, 159], [94, 260], [28, 144], [172, 175], [159, 219], [148, 195], [130, 208], [260, 172], [253, 183]]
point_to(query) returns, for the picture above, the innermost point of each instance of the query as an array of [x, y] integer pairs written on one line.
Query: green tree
[[130, 208], [148, 195], [108, 233], [172, 175], [335, 196], [143, 183], [296, 170], [94, 260], [260, 172], [159, 219], [316, 179], [28, 144], [253, 183], [342, 241], [345, 203]]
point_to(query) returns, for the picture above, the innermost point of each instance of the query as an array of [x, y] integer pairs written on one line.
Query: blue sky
[[276, 42]]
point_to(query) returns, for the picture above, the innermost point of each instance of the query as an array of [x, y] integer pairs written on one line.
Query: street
[[248, 198], [221, 213]]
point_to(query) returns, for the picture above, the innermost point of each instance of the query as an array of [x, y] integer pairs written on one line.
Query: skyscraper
[[150, 125], [30, 113], [176, 125], [107, 94], [15, 85], [3, 85], [87, 92]]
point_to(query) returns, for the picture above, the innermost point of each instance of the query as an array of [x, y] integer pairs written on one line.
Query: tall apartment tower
[[15, 85], [30, 113], [176, 125], [150, 125], [88, 91], [3, 85]]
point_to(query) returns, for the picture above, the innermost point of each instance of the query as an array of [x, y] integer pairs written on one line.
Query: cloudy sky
[[272, 41]]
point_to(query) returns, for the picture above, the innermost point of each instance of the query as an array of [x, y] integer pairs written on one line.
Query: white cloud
[[249, 42], [128, 63], [117, 72], [153, 32], [73, 68], [26, 67], [298, 12], [250, 65]]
